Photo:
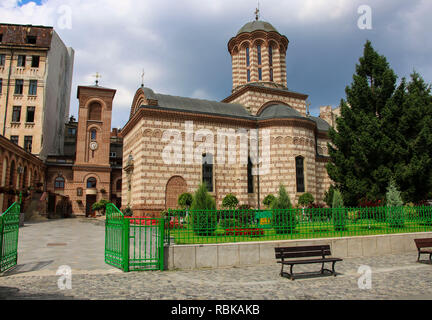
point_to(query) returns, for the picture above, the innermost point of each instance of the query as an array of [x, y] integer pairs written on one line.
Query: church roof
[[257, 25], [321, 123], [279, 111], [197, 105]]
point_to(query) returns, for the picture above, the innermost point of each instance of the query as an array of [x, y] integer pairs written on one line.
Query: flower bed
[[143, 221], [252, 232]]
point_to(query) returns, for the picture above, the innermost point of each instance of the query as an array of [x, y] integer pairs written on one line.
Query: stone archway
[[175, 187]]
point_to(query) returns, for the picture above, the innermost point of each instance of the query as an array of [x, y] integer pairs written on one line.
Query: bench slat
[[305, 248], [423, 243], [304, 254]]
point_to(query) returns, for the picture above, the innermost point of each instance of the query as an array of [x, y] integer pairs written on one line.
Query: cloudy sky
[[182, 45]]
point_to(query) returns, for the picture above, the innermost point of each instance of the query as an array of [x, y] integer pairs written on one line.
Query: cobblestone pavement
[[41, 253]]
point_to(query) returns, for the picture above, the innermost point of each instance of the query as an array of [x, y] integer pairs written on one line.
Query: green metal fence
[[133, 244], [221, 226], [9, 230]]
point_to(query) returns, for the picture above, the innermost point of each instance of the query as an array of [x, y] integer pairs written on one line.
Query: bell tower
[[258, 53]]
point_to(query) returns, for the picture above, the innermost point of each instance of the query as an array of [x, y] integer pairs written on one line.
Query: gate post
[[161, 244], [126, 241]]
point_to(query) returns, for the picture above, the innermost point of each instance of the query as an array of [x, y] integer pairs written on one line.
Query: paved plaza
[[79, 243]]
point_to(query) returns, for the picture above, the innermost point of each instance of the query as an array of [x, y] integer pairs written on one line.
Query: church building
[[284, 144]]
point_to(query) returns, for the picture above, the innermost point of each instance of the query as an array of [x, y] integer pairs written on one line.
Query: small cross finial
[[142, 78], [257, 11], [97, 76]]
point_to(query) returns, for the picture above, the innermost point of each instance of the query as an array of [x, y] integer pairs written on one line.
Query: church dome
[[257, 25], [279, 111]]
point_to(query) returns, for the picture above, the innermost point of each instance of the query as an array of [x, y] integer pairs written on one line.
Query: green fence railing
[[9, 230], [221, 226]]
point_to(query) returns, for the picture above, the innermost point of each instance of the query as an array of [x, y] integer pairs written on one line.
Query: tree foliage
[[384, 131], [230, 201]]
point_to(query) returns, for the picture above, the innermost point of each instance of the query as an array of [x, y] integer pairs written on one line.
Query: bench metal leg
[[286, 274], [418, 258], [333, 268]]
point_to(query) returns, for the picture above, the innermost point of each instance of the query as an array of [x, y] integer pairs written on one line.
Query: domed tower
[[258, 54]]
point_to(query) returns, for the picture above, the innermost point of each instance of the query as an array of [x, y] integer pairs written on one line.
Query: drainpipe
[[7, 91], [258, 162]]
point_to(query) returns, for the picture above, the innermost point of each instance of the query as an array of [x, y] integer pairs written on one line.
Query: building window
[[91, 183], [59, 183], [259, 74], [113, 154], [21, 61], [1, 86], [72, 131], [19, 86], [207, 171], [31, 39], [259, 54], [93, 135], [35, 61], [30, 114], [2, 60], [28, 141], [271, 74], [1, 37], [270, 56], [247, 57], [300, 174], [79, 192], [16, 114], [32, 88], [15, 139], [248, 76], [250, 176]]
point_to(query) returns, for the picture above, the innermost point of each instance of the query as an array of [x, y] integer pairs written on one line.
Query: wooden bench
[[424, 246], [320, 251]]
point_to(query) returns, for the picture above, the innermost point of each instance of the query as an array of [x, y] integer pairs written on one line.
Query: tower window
[[2, 59], [35, 61], [207, 171], [32, 88], [1, 86], [259, 74], [21, 61], [93, 135], [270, 56], [95, 111], [19, 86], [247, 57], [271, 74], [300, 174], [248, 76], [259, 54]]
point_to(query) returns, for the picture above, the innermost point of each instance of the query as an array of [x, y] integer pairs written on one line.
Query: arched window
[[250, 176], [300, 174], [207, 171], [259, 54], [91, 183], [247, 57], [59, 183], [93, 134], [270, 56], [95, 111]]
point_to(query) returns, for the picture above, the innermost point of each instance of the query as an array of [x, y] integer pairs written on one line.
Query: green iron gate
[[133, 244], [9, 230]]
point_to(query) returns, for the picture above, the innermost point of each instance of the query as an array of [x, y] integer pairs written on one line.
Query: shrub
[[284, 219], [228, 223], [185, 200], [328, 196], [306, 199], [230, 201], [338, 212], [204, 223], [396, 216], [100, 206], [268, 200]]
